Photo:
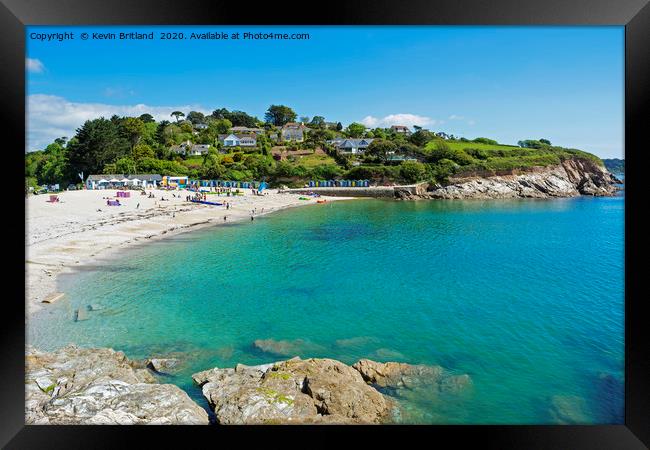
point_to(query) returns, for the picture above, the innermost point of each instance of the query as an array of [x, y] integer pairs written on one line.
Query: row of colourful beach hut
[[227, 184], [340, 183]]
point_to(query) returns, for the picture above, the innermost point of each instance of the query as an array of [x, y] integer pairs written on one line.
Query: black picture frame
[[633, 14]]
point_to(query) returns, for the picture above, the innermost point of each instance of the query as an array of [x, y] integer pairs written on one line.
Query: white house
[[293, 131], [189, 149], [197, 150], [239, 140], [402, 129], [352, 146]]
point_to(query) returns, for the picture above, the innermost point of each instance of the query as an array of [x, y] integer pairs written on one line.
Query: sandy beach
[[80, 228]]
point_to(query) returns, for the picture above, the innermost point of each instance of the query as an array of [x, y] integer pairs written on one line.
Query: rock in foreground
[[100, 387], [315, 390], [293, 391]]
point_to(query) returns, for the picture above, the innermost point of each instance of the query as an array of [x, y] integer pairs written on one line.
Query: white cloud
[[34, 65], [398, 119], [455, 117], [50, 116]]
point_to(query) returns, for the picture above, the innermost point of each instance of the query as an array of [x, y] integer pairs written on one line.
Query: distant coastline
[[615, 165]]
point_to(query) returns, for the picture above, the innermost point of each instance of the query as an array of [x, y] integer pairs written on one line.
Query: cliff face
[[571, 178]]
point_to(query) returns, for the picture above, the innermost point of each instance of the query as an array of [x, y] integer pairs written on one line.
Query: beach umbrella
[[114, 180], [124, 180], [102, 181]]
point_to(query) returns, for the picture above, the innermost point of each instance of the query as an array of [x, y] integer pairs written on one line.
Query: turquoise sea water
[[525, 296]]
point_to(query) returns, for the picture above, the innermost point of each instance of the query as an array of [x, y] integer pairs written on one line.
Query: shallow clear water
[[525, 296]]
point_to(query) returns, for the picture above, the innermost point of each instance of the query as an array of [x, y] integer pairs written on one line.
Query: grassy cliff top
[[481, 157]]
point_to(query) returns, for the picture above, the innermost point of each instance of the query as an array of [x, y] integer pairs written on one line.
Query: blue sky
[[565, 84]]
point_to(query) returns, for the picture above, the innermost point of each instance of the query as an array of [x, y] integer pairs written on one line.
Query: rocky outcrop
[[314, 390], [295, 391], [399, 375], [571, 178], [163, 365], [100, 386]]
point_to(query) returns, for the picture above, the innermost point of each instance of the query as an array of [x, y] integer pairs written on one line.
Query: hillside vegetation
[[461, 157], [130, 145]]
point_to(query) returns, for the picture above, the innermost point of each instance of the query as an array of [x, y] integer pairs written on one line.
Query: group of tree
[[532, 143]]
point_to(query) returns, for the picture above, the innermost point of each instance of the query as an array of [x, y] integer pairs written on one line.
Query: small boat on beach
[[321, 201], [205, 202]]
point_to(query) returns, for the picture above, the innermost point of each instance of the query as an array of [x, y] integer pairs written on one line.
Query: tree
[[54, 166], [326, 171], [304, 119], [219, 126], [412, 171], [420, 137], [380, 133], [177, 115], [279, 115], [545, 141], [196, 117], [530, 143], [339, 126], [146, 118], [170, 134], [125, 165], [160, 127], [356, 130], [483, 140], [406, 148], [143, 151], [186, 127], [98, 142], [381, 148], [237, 118], [133, 129], [317, 122], [442, 151]]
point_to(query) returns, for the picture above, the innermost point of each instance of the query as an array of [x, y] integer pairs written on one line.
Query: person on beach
[[137, 206], [224, 218]]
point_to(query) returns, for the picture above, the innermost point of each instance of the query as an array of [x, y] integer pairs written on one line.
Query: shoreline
[[55, 245]]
